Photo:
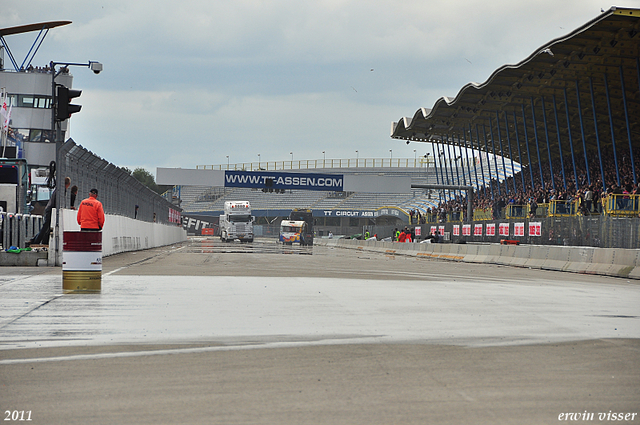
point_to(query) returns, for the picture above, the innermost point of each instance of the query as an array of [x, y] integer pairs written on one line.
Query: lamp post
[[259, 162], [227, 162], [390, 157], [56, 131]]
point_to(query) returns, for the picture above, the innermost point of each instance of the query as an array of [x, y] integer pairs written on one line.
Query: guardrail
[[517, 211], [559, 208], [624, 205], [482, 214], [17, 229]]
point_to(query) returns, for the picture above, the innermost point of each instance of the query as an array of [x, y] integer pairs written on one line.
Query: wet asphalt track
[[244, 333]]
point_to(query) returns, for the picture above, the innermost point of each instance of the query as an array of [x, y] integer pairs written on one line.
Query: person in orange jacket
[[90, 213]]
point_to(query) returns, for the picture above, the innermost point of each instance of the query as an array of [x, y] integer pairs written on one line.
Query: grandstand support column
[[468, 189], [513, 174], [626, 115], [555, 114], [464, 177], [535, 133], [546, 135], [526, 142], [486, 147], [484, 182], [573, 157], [504, 167], [515, 128], [435, 166], [464, 132], [584, 142], [441, 154], [493, 149], [613, 135], [453, 164], [595, 124]]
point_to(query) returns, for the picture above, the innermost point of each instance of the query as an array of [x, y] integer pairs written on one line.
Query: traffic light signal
[[64, 109]]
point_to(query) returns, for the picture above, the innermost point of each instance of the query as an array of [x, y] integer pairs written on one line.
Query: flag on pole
[[5, 125], [3, 109], [5, 112]]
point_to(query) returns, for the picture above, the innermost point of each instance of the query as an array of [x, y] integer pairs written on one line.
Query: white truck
[[236, 222]]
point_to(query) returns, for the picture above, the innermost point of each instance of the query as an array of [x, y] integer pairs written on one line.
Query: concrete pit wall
[[616, 262], [122, 234]]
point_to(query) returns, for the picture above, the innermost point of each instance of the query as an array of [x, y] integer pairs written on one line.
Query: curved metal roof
[[602, 54], [32, 27]]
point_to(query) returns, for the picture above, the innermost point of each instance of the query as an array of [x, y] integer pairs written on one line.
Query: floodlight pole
[[56, 131]]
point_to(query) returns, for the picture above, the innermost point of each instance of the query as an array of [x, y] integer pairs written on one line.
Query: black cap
[[94, 191]]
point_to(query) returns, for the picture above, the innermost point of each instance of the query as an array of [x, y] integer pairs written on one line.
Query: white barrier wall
[[604, 261], [122, 234]]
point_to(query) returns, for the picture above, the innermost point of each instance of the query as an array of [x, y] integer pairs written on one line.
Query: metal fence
[[595, 231], [118, 191]]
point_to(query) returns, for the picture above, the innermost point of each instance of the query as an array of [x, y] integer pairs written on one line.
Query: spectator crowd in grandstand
[[588, 190]]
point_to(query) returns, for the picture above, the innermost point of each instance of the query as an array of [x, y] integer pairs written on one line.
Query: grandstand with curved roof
[[570, 108]]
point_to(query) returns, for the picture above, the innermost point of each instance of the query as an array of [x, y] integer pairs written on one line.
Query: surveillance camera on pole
[[96, 67]]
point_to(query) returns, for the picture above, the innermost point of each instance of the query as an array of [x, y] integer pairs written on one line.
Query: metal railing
[[558, 208], [310, 164], [517, 211], [481, 214], [17, 229], [621, 205]]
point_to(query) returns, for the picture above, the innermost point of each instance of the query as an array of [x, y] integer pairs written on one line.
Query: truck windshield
[[290, 229], [240, 218]]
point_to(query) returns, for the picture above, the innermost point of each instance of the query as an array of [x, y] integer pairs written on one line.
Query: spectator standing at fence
[[72, 199], [43, 235], [67, 183], [91, 213], [588, 198]]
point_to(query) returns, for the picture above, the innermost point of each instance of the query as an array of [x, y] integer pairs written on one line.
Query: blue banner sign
[[282, 180]]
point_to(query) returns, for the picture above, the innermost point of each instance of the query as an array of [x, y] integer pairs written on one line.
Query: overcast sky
[[188, 83]]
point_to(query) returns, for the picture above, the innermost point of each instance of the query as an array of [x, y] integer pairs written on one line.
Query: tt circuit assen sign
[[357, 213], [309, 181]]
